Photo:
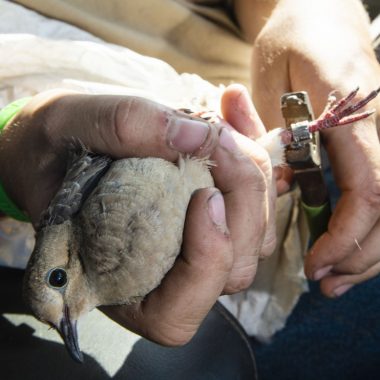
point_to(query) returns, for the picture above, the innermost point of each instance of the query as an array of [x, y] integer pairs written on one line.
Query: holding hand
[[296, 51], [224, 235]]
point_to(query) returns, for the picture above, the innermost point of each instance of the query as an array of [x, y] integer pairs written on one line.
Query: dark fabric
[[327, 339], [220, 350]]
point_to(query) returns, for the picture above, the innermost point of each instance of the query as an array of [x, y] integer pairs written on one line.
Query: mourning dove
[[101, 242], [110, 250]]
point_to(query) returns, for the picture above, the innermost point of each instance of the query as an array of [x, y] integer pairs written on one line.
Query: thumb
[[239, 111], [118, 126], [121, 126]]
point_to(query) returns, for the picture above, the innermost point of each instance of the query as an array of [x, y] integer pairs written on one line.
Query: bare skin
[[288, 56], [225, 262], [320, 46]]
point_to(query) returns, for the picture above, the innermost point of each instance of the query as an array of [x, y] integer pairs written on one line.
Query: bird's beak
[[68, 332]]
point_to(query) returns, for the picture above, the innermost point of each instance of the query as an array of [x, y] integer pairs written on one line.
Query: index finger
[[239, 111]]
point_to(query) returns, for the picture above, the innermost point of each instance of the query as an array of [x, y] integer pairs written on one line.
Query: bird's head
[[55, 286]]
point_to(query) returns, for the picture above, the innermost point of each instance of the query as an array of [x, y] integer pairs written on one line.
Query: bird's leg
[[336, 113], [281, 140]]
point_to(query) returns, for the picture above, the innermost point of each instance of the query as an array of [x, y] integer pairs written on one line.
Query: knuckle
[[251, 176], [173, 335], [241, 280], [358, 267], [221, 262], [238, 285], [172, 340], [47, 113], [179, 341], [269, 246], [341, 243], [240, 170], [140, 125], [121, 115]]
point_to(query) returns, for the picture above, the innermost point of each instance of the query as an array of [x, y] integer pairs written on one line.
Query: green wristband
[[6, 205]]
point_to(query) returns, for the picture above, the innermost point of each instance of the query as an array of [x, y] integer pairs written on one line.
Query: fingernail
[[320, 273], [186, 135], [217, 210], [342, 289], [227, 141]]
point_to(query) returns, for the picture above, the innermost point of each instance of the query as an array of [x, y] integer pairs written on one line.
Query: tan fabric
[[190, 37]]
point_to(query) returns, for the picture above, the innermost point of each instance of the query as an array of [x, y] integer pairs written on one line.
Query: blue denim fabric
[[327, 339]]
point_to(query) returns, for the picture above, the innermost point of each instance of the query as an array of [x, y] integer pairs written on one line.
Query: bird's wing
[[83, 173], [131, 228]]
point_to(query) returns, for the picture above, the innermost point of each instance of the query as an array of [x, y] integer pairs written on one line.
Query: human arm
[[321, 46], [128, 126]]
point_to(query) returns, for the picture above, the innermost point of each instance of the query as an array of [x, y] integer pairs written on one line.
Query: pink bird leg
[[336, 113]]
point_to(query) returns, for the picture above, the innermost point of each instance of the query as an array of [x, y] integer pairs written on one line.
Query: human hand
[[35, 146], [226, 261], [296, 51], [127, 126]]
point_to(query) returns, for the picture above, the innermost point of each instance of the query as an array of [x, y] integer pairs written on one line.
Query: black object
[[220, 350]]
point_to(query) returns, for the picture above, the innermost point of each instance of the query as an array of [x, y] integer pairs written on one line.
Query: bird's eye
[[57, 278]]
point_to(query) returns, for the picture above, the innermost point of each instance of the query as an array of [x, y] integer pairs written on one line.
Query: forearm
[[253, 15], [317, 46], [332, 35]]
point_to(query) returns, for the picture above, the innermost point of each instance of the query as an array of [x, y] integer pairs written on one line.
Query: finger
[[239, 111], [119, 126], [349, 226], [172, 313], [245, 191], [363, 257], [337, 285], [284, 177], [124, 126]]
